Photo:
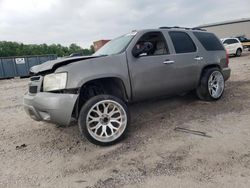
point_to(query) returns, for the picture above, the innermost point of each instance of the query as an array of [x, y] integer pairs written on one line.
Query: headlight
[[54, 81]]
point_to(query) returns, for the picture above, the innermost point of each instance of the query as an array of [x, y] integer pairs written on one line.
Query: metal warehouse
[[233, 28]]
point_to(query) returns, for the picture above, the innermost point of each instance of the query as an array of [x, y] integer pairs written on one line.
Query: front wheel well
[[111, 86]]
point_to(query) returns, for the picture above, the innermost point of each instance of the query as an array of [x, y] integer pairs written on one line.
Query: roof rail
[[186, 28], [164, 27], [200, 29]]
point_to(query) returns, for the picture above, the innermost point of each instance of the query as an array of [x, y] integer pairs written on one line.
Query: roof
[[229, 38], [225, 23]]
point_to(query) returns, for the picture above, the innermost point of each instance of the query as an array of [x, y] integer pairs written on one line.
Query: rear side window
[[182, 42], [234, 41], [230, 41], [209, 41]]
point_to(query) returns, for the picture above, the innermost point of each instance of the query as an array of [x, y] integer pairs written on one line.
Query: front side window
[[226, 41], [157, 42], [182, 42], [116, 46]]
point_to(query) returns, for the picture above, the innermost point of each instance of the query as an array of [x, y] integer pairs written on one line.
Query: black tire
[[203, 90], [82, 120], [238, 52]]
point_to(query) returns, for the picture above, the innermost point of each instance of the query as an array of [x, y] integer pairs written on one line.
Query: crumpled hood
[[53, 64]]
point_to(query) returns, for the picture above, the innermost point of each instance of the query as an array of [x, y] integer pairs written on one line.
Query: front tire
[[212, 85], [104, 120]]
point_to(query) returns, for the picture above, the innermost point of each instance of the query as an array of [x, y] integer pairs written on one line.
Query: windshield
[[116, 46]]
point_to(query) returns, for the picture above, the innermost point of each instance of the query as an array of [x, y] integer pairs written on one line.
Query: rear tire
[[104, 120], [211, 85], [238, 52]]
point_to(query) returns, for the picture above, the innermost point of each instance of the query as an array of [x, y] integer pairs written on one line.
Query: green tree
[[19, 49]]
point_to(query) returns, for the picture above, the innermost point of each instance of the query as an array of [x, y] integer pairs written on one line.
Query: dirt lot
[[155, 154]]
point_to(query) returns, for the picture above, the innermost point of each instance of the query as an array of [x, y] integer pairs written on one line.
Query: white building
[[231, 28]]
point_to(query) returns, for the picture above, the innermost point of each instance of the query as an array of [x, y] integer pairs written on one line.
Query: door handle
[[198, 58], [168, 62]]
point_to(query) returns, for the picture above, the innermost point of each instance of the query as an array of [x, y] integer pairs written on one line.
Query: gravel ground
[[163, 148]]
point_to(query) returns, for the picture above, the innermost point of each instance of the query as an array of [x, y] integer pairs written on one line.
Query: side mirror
[[145, 48]]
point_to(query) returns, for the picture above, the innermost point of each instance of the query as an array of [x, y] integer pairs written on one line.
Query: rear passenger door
[[186, 59]]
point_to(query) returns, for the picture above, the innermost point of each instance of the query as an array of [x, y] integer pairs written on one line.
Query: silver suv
[[95, 90]]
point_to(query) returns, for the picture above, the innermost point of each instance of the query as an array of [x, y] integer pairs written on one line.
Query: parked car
[[96, 90], [245, 42], [233, 46]]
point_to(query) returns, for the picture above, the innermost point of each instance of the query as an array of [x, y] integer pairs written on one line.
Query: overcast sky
[[84, 21]]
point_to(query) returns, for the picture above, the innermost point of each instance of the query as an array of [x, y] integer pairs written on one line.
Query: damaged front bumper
[[52, 107]]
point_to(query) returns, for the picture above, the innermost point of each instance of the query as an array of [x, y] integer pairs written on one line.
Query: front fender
[[81, 72], [125, 82]]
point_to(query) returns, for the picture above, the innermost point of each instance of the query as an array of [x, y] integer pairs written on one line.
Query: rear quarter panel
[[217, 57]]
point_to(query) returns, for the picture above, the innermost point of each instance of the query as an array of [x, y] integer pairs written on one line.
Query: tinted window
[[226, 41], [209, 41], [230, 41], [182, 42], [234, 41]]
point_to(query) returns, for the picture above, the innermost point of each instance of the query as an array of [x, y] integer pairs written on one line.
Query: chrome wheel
[[106, 121], [216, 84]]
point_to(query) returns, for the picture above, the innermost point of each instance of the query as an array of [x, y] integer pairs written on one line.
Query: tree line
[[8, 49]]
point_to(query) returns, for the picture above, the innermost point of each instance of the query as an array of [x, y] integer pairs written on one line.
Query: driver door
[[152, 74]]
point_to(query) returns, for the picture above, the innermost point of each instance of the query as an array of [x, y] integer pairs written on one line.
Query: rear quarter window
[[209, 41]]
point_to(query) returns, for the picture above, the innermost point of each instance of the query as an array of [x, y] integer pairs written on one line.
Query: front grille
[[35, 78], [33, 89]]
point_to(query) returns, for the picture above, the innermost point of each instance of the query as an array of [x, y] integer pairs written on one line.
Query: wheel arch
[[202, 89], [206, 68], [105, 85], [239, 48]]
